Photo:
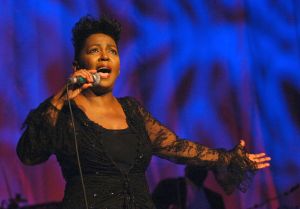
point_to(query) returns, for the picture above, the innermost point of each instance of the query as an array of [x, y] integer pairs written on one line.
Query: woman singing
[[104, 144]]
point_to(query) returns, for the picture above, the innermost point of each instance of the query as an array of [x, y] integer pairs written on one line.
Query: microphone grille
[[96, 78]]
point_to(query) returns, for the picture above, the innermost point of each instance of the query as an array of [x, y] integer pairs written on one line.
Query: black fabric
[[121, 146], [50, 131]]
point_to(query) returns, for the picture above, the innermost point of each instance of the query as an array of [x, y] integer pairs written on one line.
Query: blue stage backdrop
[[212, 71]]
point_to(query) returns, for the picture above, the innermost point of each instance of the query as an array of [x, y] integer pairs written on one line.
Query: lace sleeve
[[232, 168], [36, 143]]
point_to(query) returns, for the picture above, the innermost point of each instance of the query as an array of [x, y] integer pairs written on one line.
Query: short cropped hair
[[88, 25]]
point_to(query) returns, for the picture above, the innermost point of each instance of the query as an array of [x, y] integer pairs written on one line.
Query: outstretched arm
[[233, 167], [167, 144]]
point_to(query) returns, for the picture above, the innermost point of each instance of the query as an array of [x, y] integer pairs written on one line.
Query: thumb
[[242, 143]]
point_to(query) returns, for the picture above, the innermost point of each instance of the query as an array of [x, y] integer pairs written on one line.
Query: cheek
[[88, 60], [117, 63]]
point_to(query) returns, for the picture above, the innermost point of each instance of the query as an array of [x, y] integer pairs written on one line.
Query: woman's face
[[100, 53]]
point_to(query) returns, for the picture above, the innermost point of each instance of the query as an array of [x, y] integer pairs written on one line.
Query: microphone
[[80, 80]]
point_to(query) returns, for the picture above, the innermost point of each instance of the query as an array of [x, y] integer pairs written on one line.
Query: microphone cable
[[76, 149]]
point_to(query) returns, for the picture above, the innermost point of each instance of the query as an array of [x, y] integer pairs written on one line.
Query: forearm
[[36, 142], [187, 152], [32, 148], [59, 99], [233, 169]]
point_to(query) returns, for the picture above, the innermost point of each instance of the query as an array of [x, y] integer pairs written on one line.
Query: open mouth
[[104, 72]]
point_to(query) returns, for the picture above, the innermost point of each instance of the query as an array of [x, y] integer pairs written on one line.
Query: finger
[[92, 71], [89, 76], [81, 73], [258, 157], [263, 165], [85, 71], [262, 160], [89, 70], [253, 156], [259, 154], [74, 93], [86, 85]]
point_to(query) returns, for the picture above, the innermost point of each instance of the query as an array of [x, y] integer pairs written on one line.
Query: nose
[[103, 57]]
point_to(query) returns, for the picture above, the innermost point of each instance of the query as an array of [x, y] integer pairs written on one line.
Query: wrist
[[58, 100], [224, 158]]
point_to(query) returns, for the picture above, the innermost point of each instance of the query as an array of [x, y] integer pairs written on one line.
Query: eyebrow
[[109, 45]]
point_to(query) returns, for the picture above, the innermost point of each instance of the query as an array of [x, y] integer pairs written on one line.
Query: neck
[[90, 98]]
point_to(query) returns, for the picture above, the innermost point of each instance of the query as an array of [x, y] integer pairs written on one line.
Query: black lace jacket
[[50, 131]]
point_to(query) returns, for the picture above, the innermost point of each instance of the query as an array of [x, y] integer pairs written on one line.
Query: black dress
[[111, 181]]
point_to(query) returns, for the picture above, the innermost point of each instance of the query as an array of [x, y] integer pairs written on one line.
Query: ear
[[75, 65]]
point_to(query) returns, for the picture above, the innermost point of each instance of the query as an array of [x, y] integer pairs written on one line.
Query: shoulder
[[129, 100]]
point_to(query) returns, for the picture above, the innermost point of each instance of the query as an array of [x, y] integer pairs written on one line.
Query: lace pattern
[[39, 123], [232, 169], [47, 132]]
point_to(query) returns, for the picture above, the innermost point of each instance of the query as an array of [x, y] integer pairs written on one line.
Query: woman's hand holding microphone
[[74, 89]]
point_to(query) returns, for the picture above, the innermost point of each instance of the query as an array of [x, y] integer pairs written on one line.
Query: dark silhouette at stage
[[187, 192]]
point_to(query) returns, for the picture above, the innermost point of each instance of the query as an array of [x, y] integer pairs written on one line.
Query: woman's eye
[[94, 50], [113, 51]]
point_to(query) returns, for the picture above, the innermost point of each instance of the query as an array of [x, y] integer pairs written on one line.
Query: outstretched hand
[[261, 159]]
